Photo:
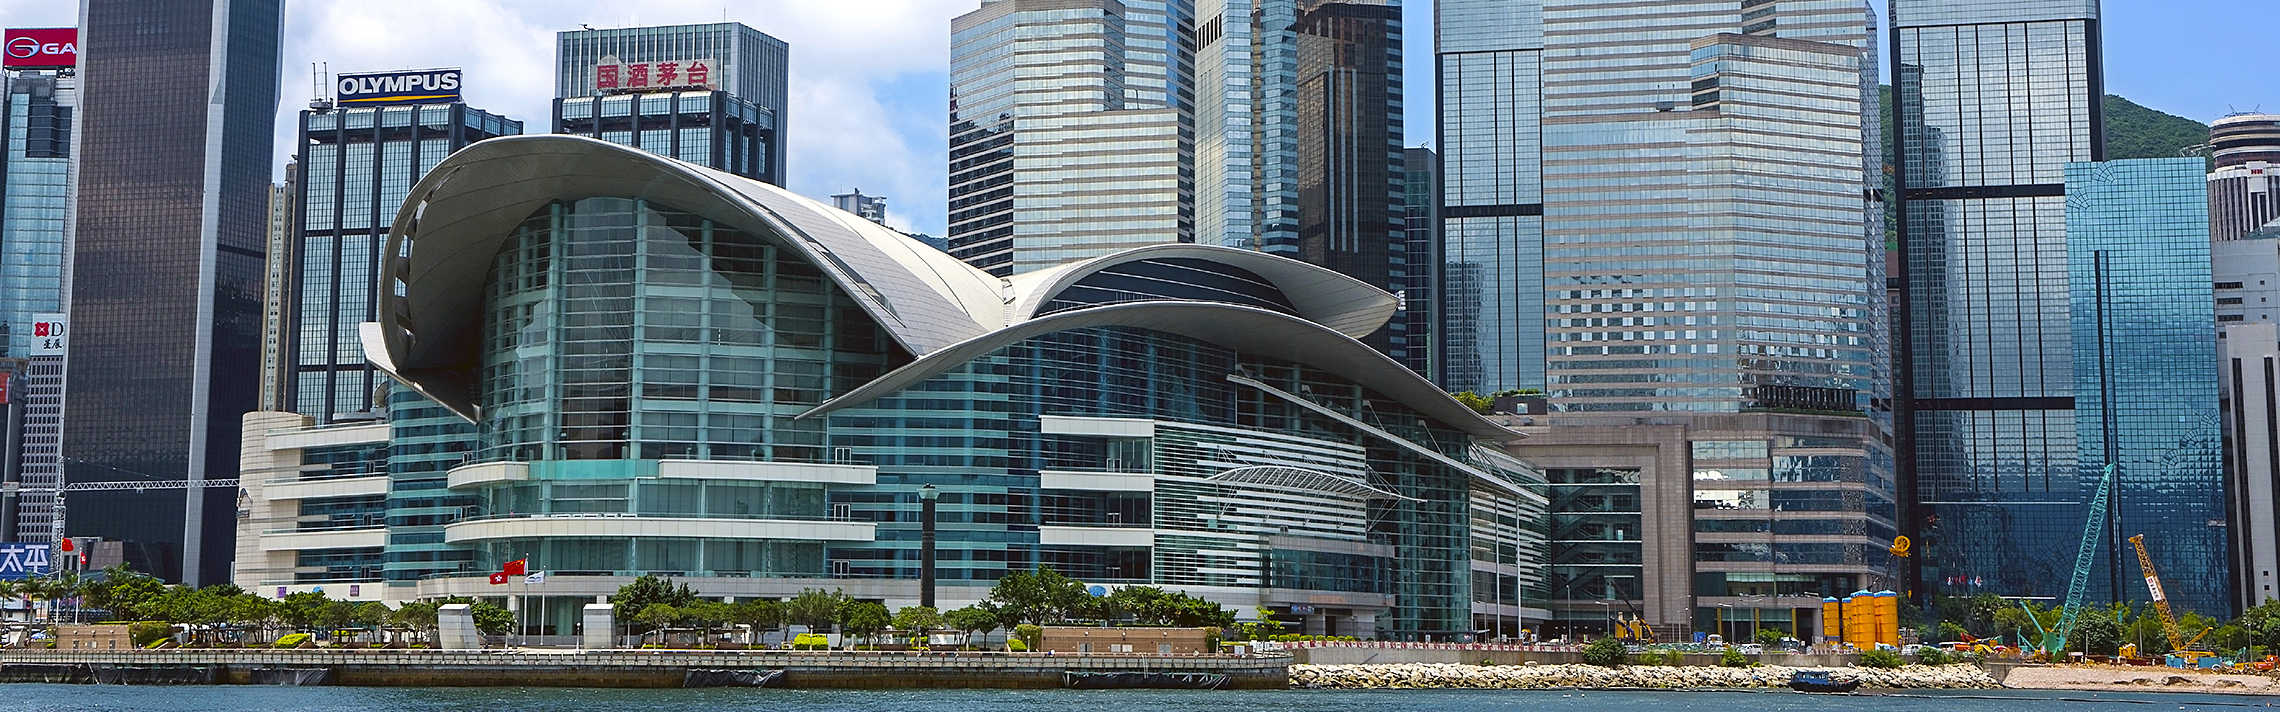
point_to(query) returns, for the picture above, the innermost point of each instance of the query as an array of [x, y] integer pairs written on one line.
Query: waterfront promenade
[[634, 668]]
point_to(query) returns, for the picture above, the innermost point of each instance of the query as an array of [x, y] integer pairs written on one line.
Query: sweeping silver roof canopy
[[940, 310]]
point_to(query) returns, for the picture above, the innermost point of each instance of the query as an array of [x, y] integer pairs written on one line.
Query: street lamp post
[[926, 495]]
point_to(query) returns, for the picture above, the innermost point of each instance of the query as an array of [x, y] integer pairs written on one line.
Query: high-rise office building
[[1681, 237], [1299, 136], [711, 94], [2249, 365], [870, 207], [1421, 196], [1070, 130], [177, 103], [1992, 99], [36, 200], [277, 275], [357, 161], [2145, 390], [1490, 74], [2244, 188]]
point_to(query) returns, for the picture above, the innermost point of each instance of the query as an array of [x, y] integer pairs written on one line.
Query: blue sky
[[869, 88]]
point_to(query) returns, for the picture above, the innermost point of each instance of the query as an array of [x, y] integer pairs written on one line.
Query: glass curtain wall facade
[[682, 397], [2145, 378], [1697, 245], [36, 201], [167, 280], [1071, 130], [1420, 283], [1347, 104], [1992, 98], [356, 165], [752, 68], [708, 128], [1490, 74]]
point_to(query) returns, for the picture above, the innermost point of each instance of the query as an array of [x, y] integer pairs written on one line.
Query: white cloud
[[841, 133]]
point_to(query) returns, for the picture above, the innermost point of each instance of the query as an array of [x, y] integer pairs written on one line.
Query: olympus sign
[[429, 86]]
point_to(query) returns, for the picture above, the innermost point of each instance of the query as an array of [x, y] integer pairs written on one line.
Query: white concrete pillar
[[455, 628]]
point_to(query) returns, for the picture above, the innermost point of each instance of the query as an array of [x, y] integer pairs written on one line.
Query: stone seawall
[[615, 668], [1523, 677]]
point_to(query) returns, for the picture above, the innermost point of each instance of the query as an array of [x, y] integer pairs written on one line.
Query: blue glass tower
[[2145, 380]]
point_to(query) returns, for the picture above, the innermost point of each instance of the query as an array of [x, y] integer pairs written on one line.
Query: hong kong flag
[[498, 579], [515, 567]]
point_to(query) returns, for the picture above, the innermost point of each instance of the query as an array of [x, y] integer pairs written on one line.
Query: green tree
[[127, 594], [1041, 596], [303, 611], [971, 620], [761, 614], [1479, 403], [2096, 633], [1733, 657], [917, 620], [369, 614], [492, 619], [631, 598], [418, 616], [1880, 659], [815, 608], [865, 619], [1769, 637], [657, 616], [1606, 652]]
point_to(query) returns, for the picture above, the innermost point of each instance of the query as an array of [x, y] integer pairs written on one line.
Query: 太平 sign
[[425, 86]]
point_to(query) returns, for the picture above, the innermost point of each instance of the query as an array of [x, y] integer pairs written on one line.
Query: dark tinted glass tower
[[1350, 179], [1991, 100], [1421, 192], [179, 98], [357, 164]]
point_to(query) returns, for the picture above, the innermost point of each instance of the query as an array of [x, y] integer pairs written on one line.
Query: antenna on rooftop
[[320, 96]]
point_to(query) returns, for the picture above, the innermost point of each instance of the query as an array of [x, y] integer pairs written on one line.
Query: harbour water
[[91, 698]]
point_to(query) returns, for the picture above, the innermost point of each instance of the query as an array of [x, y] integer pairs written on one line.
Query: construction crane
[[2178, 644], [2054, 640]]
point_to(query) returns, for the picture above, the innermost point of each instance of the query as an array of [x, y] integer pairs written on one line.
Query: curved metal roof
[[455, 219], [937, 308], [1348, 305], [1298, 478], [1249, 329]]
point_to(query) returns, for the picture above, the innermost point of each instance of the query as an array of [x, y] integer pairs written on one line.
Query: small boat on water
[[1820, 681]]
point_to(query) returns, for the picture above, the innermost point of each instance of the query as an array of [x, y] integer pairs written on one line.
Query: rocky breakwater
[[1535, 677]]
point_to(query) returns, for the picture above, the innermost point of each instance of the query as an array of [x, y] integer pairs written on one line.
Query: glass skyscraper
[[2145, 373], [1992, 100], [35, 251], [1299, 136], [1684, 236], [737, 126], [356, 164], [177, 103], [1420, 283], [1071, 130]]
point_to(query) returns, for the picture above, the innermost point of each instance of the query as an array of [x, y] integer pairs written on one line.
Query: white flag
[[535, 577]]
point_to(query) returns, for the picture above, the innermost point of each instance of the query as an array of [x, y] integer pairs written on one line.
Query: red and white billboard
[[40, 48]]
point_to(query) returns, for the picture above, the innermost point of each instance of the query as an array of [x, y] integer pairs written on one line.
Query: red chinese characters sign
[[654, 76]]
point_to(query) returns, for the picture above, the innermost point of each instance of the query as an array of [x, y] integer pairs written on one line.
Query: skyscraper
[[2145, 384], [2244, 189], [1490, 74], [1420, 299], [1089, 152], [712, 94], [871, 207], [1299, 135], [1992, 98], [356, 164], [1681, 236], [277, 275], [177, 104], [36, 201]]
